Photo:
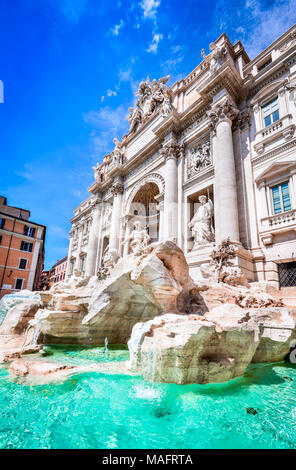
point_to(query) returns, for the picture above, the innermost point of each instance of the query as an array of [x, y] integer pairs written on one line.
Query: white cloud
[[254, 22], [116, 28], [72, 10], [176, 57], [150, 8], [77, 193], [57, 231], [171, 64], [111, 92], [125, 75], [154, 43], [107, 123], [106, 116], [268, 24]]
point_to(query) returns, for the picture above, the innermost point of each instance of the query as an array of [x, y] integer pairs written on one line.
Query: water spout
[[36, 332], [26, 334], [151, 362], [106, 346]]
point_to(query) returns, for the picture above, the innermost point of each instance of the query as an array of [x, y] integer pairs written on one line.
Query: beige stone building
[[225, 132]]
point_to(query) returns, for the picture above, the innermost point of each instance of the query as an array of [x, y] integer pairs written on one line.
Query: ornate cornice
[[194, 119], [226, 77], [284, 68]]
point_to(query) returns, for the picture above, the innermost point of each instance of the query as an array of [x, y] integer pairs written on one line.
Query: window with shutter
[[271, 112], [281, 200]]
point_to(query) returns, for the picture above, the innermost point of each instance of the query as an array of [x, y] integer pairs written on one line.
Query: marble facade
[[203, 142]]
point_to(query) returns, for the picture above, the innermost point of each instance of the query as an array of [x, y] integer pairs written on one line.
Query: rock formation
[[215, 347], [178, 331], [87, 311]]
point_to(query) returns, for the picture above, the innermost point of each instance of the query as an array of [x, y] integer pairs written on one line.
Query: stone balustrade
[[283, 128], [283, 220], [272, 128]]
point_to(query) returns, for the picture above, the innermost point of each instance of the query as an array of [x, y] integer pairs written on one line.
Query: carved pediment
[[267, 90], [276, 169]]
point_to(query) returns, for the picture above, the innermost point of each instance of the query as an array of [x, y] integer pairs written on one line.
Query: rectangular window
[[0, 239], [29, 231], [18, 284], [23, 263], [271, 112], [26, 246], [2, 222], [281, 201]]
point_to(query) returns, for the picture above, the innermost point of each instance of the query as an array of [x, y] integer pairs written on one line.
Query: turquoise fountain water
[[94, 410]]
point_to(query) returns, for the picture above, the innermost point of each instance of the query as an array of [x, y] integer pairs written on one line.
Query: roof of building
[[16, 212], [60, 261]]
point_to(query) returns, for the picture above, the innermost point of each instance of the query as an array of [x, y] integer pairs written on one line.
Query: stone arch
[[151, 178]]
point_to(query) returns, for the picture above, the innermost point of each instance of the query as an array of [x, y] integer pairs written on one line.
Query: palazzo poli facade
[[210, 158]]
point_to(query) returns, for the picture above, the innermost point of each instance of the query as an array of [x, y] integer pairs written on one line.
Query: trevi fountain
[[173, 328]]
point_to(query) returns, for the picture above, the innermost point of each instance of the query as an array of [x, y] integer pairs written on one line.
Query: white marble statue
[[166, 107], [217, 55], [110, 258], [118, 154], [139, 240], [200, 158], [201, 223], [151, 97], [107, 216]]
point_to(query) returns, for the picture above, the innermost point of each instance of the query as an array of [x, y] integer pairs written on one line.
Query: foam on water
[[147, 392]]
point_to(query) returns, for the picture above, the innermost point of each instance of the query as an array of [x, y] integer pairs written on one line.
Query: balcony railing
[[283, 220], [283, 128]]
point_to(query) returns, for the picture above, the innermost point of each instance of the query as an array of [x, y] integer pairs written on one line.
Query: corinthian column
[[226, 212], [68, 273], [92, 248], [117, 190], [127, 234], [170, 227]]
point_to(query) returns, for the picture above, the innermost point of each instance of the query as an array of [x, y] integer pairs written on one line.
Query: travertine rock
[[21, 367], [214, 348], [15, 331], [137, 290], [211, 333], [18, 317], [278, 333]]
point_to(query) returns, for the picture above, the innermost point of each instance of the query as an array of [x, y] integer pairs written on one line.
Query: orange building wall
[[10, 255]]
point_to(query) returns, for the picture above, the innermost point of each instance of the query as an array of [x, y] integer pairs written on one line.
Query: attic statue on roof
[[151, 97]]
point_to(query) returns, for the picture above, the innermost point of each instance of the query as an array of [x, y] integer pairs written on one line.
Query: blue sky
[[70, 69]]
